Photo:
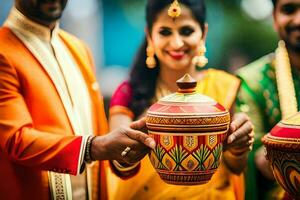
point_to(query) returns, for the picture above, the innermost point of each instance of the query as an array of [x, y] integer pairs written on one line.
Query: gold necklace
[[285, 84]]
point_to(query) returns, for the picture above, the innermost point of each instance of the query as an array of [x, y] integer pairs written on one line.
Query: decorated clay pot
[[283, 152], [189, 129]]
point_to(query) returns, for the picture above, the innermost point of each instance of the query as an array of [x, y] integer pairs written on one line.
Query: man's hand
[[111, 146], [263, 164]]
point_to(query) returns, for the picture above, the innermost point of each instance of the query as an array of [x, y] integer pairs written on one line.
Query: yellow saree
[[146, 184]]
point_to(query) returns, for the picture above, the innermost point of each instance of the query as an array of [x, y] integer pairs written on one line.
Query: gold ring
[[126, 150]]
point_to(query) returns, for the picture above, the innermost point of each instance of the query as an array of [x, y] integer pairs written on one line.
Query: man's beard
[[292, 45], [50, 17]]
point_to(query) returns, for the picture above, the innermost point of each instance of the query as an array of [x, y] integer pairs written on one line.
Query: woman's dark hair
[[142, 79], [274, 3]]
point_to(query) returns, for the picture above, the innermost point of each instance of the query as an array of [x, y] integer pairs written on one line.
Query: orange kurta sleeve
[[20, 140]]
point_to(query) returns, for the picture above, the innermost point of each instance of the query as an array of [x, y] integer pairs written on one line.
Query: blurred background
[[240, 31]]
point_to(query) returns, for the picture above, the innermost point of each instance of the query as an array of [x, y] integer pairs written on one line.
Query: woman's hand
[[241, 135]]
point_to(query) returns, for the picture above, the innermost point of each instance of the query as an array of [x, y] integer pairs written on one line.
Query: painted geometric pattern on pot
[[156, 157], [190, 163], [178, 154], [211, 140], [166, 141], [169, 162], [208, 159], [190, 142], [217, 153], [286, 169], [188, 121], [177, 159]]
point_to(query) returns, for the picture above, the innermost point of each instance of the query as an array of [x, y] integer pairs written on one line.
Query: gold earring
[[200, 60], [150, 61]]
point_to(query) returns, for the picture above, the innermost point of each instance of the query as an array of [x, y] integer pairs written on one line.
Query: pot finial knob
[[186, 84]]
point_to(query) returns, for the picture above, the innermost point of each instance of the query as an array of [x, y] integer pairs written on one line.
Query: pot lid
[[288, 128], [186, 101]]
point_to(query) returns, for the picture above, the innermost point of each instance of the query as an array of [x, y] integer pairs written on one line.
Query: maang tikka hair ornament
[[174, 10], [200, 60]]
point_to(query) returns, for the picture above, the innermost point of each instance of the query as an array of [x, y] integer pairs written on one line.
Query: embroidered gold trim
[[60, 186], [285, 84]]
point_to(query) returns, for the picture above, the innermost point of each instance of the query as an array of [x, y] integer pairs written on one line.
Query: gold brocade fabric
[[224, 185]]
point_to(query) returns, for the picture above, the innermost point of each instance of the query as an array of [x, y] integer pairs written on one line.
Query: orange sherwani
[[35, 132]]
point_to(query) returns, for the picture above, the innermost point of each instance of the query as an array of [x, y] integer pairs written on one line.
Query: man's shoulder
[[253, 75], [6, 35], [9, 42], [256, 67], [5, 30]]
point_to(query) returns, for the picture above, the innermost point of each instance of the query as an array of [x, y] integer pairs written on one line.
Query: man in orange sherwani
[[51, 113]]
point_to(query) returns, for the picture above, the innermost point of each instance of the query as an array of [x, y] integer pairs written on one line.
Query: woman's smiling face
[[176, 41]]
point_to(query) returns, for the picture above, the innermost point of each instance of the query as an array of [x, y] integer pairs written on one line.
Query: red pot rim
[[286, 131]]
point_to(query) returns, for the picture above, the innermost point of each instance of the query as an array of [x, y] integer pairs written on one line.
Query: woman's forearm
[[235, 163]]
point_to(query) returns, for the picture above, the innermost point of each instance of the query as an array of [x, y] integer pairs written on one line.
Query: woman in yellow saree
[[174, 44]]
